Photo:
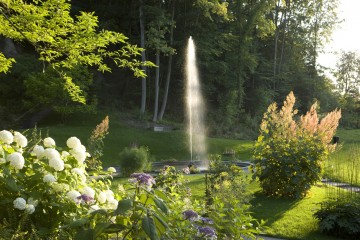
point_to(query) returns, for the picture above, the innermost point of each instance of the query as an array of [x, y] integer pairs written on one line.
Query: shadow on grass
[[271, 209]]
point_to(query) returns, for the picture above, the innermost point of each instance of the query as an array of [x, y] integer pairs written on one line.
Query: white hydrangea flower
[[19, 203], [2, 160], [20, 139], [33, 201], [93, 208], [65, 154], [112, 204], [49, 142], [109, 195], [101, 197], [50, 153], [30, 209], [57, 164], [88, 191], [60, 187], [6, 137], [49, 178], [111, 170], [79, 155], [73, 142], [38, 151], [77, 171], [73, 194], [16, 160]]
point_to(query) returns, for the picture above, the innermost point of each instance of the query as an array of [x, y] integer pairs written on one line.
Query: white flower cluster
[[49, 178], [20, 139], [77, 149], [49, 142], [16, 160], [111, 170], [20, 203], [6, 137]]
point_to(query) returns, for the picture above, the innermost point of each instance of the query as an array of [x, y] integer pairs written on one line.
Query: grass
[[163, 145], [344, 164]]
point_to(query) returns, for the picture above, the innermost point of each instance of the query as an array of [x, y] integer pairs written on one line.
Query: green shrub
[[289, 154], [133, 160], [340, 218]]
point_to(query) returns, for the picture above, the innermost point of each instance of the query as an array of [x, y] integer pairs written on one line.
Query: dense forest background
[[250, 54]]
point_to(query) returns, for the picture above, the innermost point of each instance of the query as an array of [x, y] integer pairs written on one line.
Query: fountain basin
[[179, 165]]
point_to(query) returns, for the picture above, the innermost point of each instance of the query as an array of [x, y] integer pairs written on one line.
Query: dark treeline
[[250, 54]]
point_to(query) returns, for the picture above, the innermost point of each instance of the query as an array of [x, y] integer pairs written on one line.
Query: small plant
[[134, 159], [228, 202], [340, 217], [96, 144], [289, 155]]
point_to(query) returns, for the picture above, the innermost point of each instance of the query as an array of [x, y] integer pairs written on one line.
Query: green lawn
[[171, 145]]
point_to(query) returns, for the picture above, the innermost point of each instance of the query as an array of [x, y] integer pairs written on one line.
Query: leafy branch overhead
[[65, 42]]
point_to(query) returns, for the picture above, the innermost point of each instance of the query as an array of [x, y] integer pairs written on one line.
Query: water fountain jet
[[195, 108]]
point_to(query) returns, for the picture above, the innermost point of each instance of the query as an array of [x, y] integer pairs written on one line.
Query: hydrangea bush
[[43, 187]]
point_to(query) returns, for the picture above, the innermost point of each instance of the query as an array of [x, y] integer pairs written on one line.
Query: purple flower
[[85, 198], [206, 220], [207, 232], [143, 179], [190, 215]]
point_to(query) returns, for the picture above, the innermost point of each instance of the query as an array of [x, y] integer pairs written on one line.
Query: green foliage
[[47, 89], [340, 217], [228, 201], [133, 160], [289, 155], [65, 41], [5, 63]]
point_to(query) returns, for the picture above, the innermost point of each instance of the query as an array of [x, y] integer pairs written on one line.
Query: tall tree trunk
[[143, 57], [157, 78], [276, 40], [283, 43], [169, 68]]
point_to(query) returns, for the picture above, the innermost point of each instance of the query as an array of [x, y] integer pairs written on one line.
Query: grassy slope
[[162, 145]]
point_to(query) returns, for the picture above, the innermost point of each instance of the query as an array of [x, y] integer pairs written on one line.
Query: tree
[[348, 73], [157, 28], [63, 41], [143, 56]]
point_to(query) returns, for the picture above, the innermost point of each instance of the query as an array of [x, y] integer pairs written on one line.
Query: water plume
[[195, 107]]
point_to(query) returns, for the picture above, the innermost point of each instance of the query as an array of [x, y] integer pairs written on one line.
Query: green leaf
[[114, 228], [161, 220], [87, 234], [11, 185], [99, 211], [100, 227], [78, 223], [160, 204], [123, 206], [149, 227]]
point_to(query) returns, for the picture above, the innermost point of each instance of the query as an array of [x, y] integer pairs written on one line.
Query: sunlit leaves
[[64, 41]]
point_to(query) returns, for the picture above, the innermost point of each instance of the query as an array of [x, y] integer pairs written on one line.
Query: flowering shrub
[[289, 154], [96, 144], [38, 183]]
